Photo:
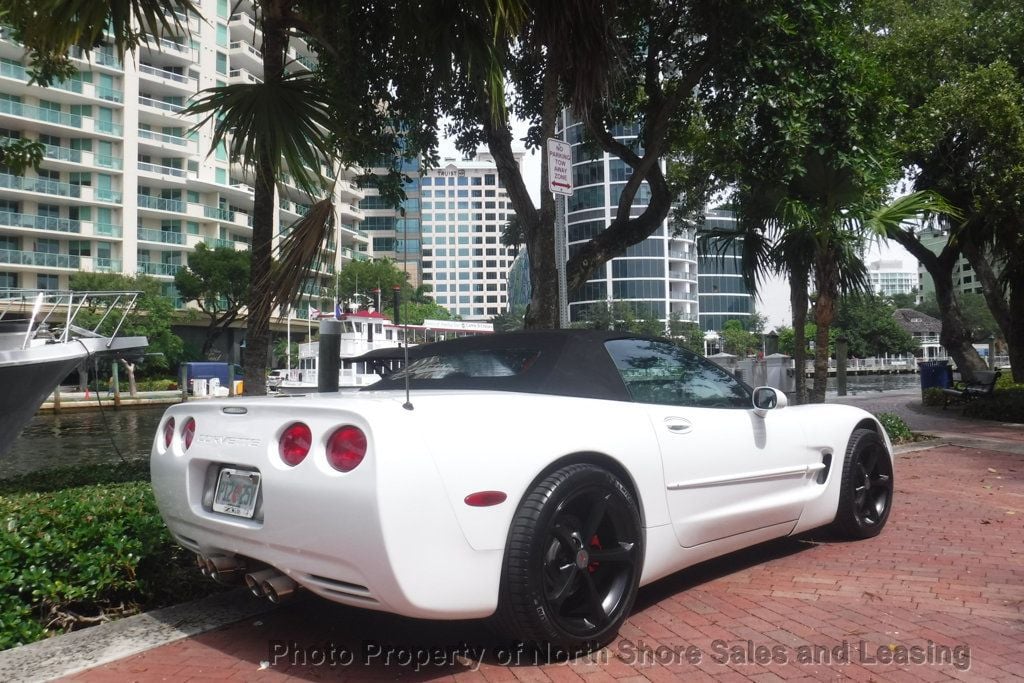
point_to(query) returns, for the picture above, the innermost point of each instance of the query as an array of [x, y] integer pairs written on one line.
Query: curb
[[77, 651]]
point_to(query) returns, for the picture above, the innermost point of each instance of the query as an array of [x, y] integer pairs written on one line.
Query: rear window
[[470, 364]]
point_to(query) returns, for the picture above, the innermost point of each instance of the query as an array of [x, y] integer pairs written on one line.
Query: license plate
[[236, 492]]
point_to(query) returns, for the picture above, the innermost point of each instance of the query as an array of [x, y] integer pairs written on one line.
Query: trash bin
[[935, 374]]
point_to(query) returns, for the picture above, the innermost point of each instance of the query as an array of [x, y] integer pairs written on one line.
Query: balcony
[[40, 259], [242, 76], [40, 185], [164, 74], [162, 170], [179, 49], [108, 265], [160, 204], [241, 46], [52, 223], [354, 255], [164, 138], [77, 156], [102, 56], [162, 236], [219, 214], [166, 269], [112, 196], [107, 230], [160, 104]]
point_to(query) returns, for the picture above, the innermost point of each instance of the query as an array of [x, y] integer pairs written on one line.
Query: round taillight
[[168, 432], [188, 432], [346, 448], [294, 444]]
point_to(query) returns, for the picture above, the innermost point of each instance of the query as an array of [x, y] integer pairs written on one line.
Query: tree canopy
[[151, 317], [218, 281], [870, 329]]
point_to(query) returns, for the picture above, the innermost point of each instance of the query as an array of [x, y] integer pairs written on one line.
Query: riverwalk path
[[939, 595]]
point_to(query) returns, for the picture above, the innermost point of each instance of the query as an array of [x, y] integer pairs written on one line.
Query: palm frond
[[896, 215], [300, 253], [282, 119]]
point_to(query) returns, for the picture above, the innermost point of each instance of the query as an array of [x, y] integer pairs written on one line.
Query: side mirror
[[768, 398]]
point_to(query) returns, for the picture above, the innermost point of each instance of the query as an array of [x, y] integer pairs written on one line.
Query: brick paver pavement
[[940, 593]]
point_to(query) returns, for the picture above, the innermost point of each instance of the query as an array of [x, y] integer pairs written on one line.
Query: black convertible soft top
[[569, 363]]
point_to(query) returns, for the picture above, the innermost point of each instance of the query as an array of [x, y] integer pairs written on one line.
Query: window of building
[[80, 247], [47, 281], [8, 280], [222, 64]]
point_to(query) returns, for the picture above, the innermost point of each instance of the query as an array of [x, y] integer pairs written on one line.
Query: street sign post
[[560, 183]]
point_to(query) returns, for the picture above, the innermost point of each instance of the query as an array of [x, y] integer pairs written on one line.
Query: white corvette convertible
[[539, 477]]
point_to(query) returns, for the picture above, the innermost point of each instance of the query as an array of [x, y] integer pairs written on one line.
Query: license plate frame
[[236, 492]]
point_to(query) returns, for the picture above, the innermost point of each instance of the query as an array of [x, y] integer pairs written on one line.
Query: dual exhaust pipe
[[268, 583]]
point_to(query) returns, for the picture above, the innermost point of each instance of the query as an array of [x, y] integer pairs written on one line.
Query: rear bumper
[[379, 537]]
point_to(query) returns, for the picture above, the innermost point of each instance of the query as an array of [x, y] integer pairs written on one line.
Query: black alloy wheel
[[573, 561], [867, 486]]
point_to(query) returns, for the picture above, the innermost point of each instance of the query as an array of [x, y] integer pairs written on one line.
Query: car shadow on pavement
[[734, 562], [314, 639]]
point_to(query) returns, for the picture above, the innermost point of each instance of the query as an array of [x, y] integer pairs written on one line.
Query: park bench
[[983, 383]]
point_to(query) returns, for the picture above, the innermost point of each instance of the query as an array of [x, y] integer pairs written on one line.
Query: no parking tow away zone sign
[[559, 167]]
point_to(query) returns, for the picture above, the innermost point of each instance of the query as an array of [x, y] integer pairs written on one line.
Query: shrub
[[895, 427], [81, 555], [933, 396], [1005, 381], [1005, 405]]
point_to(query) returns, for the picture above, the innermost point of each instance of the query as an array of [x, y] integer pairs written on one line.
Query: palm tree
[[821, 245]]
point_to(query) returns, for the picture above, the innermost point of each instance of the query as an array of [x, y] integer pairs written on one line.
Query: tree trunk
[[798, 302], [257, 336], [826, 281], [83, 377], [538, 226], [824, 310], [955, 337], [1015, 338], [1008, 311]]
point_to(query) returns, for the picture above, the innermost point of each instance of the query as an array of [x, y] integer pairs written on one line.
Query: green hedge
[[1005, 405], [72, 557]]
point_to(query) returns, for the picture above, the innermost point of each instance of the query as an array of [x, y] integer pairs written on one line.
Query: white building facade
[[890, 276], [125, 186], [463, 209]]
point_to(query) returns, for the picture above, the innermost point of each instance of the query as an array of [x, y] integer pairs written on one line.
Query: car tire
[[572, 562], [865, 496]]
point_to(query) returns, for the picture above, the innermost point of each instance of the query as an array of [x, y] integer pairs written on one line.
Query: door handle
[[678, 425]]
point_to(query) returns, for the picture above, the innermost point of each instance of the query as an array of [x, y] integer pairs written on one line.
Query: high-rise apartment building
[[723, 294], [657, 277], [126, 186]]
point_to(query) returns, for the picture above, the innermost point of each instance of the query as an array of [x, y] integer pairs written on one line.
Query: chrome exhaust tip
[[279, 588], [224, 569], [204, 565], [254, 580]]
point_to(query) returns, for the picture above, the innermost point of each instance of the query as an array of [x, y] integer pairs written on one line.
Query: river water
[[79, 437], [88, 436]]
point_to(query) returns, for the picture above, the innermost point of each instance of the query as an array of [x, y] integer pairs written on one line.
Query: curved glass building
[[723, 295], [657, 277]]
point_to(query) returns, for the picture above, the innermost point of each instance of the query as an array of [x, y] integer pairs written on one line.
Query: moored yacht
[[40, 344]]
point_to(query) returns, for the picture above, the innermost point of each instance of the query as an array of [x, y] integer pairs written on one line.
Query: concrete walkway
[[938, 596]]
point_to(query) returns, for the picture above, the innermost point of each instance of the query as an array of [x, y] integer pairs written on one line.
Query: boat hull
[[30, 375]]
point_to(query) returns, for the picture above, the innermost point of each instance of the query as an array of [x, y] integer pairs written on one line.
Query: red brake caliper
[[595, 542]]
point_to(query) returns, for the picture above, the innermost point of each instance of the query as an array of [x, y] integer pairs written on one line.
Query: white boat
[[40, 344], [364, 332]]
